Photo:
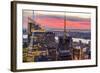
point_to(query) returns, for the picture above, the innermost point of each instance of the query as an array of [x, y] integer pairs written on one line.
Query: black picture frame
[[14, 34]]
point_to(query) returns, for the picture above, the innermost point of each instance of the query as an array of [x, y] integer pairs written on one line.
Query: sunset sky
[[55, 20]]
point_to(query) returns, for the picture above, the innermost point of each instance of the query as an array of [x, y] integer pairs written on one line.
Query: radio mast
[[65, 26]]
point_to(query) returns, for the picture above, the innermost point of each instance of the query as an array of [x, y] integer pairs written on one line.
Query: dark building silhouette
[[64, 48]]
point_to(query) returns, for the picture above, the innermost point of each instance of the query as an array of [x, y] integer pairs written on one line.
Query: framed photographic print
[[47, 36]]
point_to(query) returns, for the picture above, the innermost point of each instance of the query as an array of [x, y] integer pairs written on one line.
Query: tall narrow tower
[[31, 22], [65, 26]]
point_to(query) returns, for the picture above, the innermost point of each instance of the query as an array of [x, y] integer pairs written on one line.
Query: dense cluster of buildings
[[42, 45]]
